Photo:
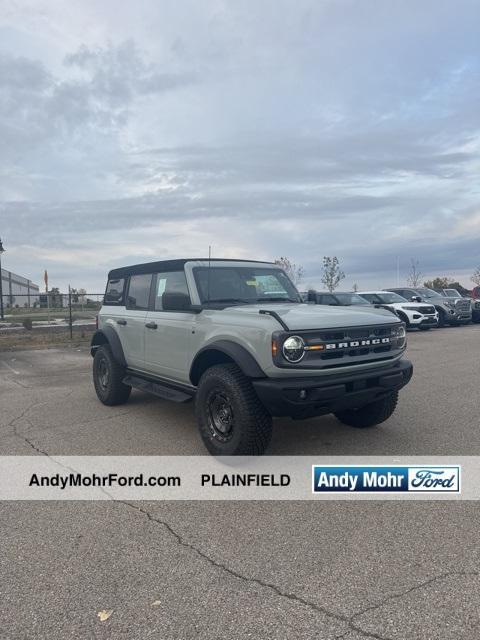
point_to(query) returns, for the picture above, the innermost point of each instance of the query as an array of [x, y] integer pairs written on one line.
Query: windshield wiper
[[229, 301]]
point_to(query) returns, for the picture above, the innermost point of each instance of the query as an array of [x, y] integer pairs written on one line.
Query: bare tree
[[355, 287], [294, 271], [332, 274], [476, 276], [415, 276]]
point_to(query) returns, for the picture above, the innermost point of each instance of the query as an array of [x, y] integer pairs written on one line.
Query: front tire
[[371, 414], [231, 419], [107, 378]]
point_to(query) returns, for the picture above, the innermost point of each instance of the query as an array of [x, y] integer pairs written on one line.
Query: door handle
[[122, 322], [151, 325]]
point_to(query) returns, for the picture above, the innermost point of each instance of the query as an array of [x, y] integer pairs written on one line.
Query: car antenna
[[208, 273]]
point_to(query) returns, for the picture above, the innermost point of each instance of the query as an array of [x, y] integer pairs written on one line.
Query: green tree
[[332, 273]]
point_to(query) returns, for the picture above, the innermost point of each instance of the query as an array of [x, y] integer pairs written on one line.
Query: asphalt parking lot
[[170, 570]]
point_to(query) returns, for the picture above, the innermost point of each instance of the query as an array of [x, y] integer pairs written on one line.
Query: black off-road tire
[[441, 318], [107, 378], [231, 419], [371, 414]]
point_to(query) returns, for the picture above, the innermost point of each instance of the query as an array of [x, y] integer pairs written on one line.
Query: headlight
[[293, 349], [400, 335]]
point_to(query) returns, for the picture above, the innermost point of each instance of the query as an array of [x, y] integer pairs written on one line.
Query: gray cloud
[[301, 129]]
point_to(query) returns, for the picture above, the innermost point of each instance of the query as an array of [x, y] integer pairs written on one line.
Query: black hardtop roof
[[168, 265]]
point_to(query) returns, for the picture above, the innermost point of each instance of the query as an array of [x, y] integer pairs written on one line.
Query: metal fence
[[49, 310]]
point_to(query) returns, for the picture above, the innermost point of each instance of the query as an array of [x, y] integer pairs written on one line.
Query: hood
[[413, 305], [312, 316]]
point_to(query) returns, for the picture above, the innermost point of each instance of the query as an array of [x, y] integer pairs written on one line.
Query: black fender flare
[[109, 336], [212, 354]]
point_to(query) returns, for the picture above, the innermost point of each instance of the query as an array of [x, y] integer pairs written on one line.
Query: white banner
[[239, 478]]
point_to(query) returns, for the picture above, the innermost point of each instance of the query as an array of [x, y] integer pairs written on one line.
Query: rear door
[[168, 333], [131, 326]]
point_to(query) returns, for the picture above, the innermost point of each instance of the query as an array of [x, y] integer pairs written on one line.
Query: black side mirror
[[416, 299], [176, 301]]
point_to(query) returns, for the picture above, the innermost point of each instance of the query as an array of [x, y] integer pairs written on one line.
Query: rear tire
[[371, 414], [107, 378], [231, 419]]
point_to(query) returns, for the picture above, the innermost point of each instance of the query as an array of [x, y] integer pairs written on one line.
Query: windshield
[[244, 285], [349, 298], [452, 293], [428, 293], [390, 298]]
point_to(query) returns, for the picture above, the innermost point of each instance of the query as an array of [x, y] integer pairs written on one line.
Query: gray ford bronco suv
[[236, 336]]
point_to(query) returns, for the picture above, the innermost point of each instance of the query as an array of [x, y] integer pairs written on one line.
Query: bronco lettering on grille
[[357, 343]]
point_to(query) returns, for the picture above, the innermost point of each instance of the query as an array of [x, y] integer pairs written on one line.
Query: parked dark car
[[336, 298]]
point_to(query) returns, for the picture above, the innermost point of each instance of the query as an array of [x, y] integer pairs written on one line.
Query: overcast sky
[[134, 131]]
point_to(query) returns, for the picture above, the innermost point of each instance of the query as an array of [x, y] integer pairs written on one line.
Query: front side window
[[114, 292], [427, 293], [169, 282], [244, 285], [139, 292]]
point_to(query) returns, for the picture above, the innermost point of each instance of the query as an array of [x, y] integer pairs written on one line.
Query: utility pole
[[2, 250]]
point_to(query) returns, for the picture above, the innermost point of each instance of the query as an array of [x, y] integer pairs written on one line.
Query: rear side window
[[114, 292], [169, 282], [328, 300], [139, 292]]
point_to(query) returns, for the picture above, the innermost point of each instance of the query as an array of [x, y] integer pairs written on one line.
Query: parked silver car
[[235, 336]]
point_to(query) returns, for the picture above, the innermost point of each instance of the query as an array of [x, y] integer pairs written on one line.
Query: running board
[[157, 389]]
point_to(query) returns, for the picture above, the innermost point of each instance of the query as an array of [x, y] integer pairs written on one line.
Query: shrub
[[27, 324]]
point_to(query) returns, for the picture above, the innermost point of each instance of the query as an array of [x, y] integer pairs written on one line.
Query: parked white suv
[[414, 314]]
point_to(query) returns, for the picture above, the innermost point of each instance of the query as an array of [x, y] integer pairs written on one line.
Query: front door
[[168, 333]]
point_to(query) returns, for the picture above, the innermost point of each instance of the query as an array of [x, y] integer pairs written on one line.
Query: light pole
[[1, 281]]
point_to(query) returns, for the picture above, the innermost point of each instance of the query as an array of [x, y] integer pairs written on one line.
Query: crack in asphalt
[[349, 621]]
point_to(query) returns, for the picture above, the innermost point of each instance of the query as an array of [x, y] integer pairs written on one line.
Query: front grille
[[347, 335], [361, 333], [477, 304], [427, 310], [463, 305]]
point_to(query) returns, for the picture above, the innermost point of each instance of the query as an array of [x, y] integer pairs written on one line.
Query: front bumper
[[424, 321], [460, 318], [308, 397]]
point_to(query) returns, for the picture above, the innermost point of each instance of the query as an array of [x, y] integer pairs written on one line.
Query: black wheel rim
[[103, 374], [220, 415]]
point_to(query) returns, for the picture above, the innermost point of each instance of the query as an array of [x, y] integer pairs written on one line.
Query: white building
[[18, 291]]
